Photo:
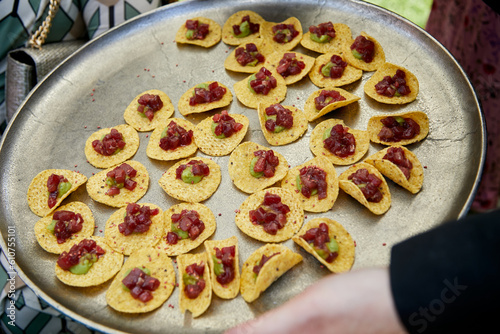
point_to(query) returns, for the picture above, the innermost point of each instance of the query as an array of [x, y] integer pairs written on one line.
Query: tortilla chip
[[350, 74], [185, 245], [186, 109], [345, 259], [154, 151], [378, 58], [160, 267], [48, 240], [342, 36], [239, 168], [262, 47], [286, 136], [266, 32], [199, 305], [128, 244], [97, 187], [211, 145], [310, 108], [38, 194], [389, 69], [274, 59], [375, 125], [228, 36], [140, 123], [213, 37], [187, 192], [274, 268], [232, 289], [393, 172], [353, 190], [312, 204], [130, 137], [104, 269], [252, 100], [294, 218], [317, 146]]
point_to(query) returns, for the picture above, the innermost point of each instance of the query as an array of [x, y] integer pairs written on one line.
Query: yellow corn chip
[[393, 172], [130, 137], [286, 136], [213, 37], [310, 107], [350, 74], [389, 69], [345, 259], [232, 289], [154, 151], [294, 218], [97, 187], [375, 125], [38, 194], [127, 244], [209, 144], [228, 35], [353, 190], [313, 204], [201, 303], [48, 240], [104, 269], [142, 123], [273, 61], [159, 266], [185, 108], [262, 47], [188, 192], [342, 36], [185, 245], [266, 32], [322, 131], [283, 259], [252, 99], [239, 168], [378, 58]]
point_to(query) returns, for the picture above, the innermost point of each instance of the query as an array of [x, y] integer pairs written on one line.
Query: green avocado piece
[[189, 34], [299, 186], [221, 136], [84, 264], [252, 166], [188, 177], [325, 70], [333, 245], [327, 133], [356, 54], [51, 226], [218, 266], [180, 233], [245, 30], [189, 280], [322, 39], [63, 188], [250, 79]]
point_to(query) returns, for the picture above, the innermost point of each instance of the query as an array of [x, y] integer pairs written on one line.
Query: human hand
[[355, 302]]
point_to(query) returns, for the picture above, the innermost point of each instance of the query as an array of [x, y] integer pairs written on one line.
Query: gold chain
[[38, 38]]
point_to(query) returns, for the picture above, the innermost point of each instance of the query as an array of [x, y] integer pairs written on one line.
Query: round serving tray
[[92, 88]]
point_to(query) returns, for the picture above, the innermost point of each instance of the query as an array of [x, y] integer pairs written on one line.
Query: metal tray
[[93, 87]]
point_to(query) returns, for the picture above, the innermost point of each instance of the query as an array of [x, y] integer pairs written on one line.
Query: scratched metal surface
[[94, 86]]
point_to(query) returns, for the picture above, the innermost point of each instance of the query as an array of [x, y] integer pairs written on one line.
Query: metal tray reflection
[[93, 87]]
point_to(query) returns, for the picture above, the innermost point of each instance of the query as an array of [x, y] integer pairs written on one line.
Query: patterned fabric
[[75, 19], [470, 30], [23, 312]]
